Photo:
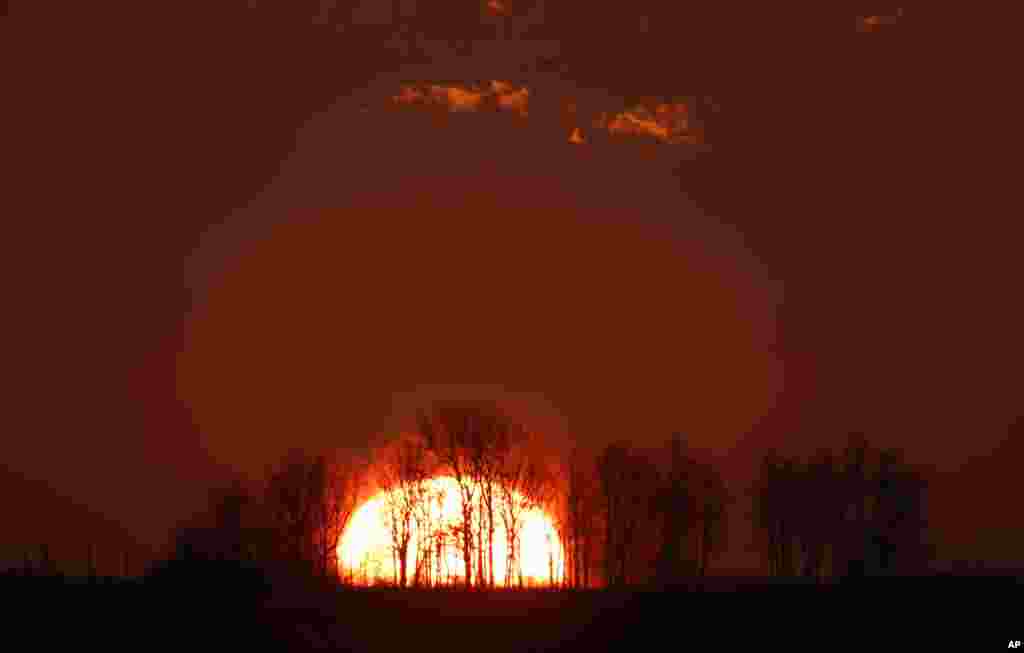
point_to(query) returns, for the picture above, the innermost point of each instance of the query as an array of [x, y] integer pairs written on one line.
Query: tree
[[307, 502], [521, 484], [822, 520], [767, 511], [854, 489], [342, 492], [899, 525], [863, 515], [580, 514], [713, 501], [627, 493], [473, 440], [612, 474], [434, 537], [404, 477], [675, 503], [447, 431], [489, 447]]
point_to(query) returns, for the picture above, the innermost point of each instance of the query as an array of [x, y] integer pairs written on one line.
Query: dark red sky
[[201, 275], [387, 258]]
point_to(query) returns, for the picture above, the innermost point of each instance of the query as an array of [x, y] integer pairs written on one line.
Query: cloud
[[504, 95], [667, 123], [664, 122], [457, 99]]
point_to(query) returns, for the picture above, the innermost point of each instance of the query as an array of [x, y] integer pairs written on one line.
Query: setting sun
[[366, 552]]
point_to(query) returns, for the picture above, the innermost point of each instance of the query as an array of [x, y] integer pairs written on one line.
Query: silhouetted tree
[[474, 441], [898, 524], [308, 500], [676, 505], [404, 475], [690, 502], [487, 448], [628, 487], [766, 511], [713, 500], [855, 491], [863, 515], [580, 515], [613, 474], [521, 485], [822, 519], [449, 429]]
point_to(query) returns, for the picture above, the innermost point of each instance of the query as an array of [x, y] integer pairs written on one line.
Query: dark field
[[722, 613]]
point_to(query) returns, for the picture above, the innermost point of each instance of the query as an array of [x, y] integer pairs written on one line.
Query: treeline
[[858, 513], [623, 515], [631, 516], [285, 526]]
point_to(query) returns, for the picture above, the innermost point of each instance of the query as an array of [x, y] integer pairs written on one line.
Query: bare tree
[[766, 511], [822, 520], [447, 431], [428, 509], [472, 439], [851, 518], [579, 515], [611, 467], [854, 503], [522, 484], [627, 493], [675, 503], [712, 504], [404, 477], [898, 523], [489, 447], [307, 501]]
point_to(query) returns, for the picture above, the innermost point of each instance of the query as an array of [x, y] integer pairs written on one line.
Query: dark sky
[[212, 255]]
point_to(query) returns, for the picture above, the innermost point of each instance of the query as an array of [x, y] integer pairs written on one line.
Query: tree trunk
[[490, 541], [481, 578], [467, 543], [403, 564]]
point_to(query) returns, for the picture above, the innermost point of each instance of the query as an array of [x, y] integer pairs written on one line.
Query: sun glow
[[366, 553]]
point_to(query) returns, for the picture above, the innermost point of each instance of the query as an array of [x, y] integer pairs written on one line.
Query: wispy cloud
[[502, 95], [664, 122], [667, 123]]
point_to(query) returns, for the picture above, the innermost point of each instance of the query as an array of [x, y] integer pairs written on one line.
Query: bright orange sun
[[366, 553]]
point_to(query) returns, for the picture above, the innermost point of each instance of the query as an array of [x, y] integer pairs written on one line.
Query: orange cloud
[[505, 96], [668, 123], [665, 123], [458, 99]]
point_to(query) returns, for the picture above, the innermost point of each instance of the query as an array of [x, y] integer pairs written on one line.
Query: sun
[[366, 553]]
